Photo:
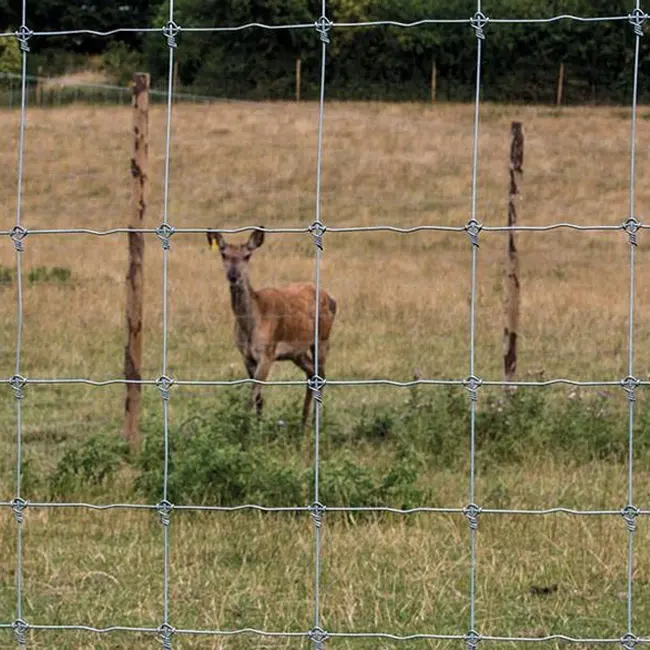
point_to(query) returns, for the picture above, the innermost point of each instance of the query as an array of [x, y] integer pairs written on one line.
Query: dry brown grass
[[404, 304], [76, 79], [403, 299]]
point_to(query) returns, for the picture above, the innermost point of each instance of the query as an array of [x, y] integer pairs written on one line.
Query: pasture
[[403, 309]]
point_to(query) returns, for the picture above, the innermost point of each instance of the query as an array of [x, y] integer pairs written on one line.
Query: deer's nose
[[232, 274]]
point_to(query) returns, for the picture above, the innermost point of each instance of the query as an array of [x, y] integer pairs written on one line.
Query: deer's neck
[[242, 298]]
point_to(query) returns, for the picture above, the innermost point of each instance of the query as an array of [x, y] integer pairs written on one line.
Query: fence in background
[[19, 236], [47, 92]]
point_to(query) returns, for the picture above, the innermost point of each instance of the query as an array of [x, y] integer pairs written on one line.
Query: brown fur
[[274, 324]]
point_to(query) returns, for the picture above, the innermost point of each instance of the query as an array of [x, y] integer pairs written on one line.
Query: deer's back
[[289, 312]]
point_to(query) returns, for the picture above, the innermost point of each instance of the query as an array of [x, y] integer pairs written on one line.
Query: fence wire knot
[[164, 233], [630, 513], [17, 384], [317, 636], [18, 505], [323, 26], [472, 512], [317, 230], [23, 34], [630, 385], [17, 234], [165, 632], [472, 384], [164, 510], [317, 511], [472, 639], [628, 641], [637, 18], [170, 32], [315, 385], [632, 227], [473, 228], [478, 21], [20, 628], [164, 383]]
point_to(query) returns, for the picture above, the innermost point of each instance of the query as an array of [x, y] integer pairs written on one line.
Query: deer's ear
[[255, 240], [216, 240]]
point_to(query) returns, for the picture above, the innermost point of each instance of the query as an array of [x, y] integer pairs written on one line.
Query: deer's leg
[[261, 373], [306, 364], [251, 366]]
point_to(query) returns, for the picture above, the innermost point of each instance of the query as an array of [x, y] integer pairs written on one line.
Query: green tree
[[10, 58], [55, 15], [254, 62]]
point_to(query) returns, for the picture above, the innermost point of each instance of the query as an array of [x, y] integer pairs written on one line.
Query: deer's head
[[236, 256]]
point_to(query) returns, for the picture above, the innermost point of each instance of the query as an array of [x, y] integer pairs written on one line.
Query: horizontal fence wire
[[636, 16], [473, 229], [559, 510], [612, 383], [330, 229]]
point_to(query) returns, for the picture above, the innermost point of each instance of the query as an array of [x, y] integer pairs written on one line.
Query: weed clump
[[382, 455]]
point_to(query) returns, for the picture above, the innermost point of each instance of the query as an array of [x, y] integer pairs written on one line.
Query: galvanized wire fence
[[42, 91], [315, 632]]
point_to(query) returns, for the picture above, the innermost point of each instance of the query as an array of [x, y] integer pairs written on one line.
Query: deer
[[274, 324]]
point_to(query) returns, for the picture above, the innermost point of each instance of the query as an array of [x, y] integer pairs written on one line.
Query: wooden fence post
[[39, 87], [298, 78], [434, 80], [176, 80], [134, 277], [560, 85], [512, 287]]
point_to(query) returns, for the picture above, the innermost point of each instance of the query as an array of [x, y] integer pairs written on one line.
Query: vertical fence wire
[[632, 227], [18, 235], [473, 230], [317, 231], [164, 383]]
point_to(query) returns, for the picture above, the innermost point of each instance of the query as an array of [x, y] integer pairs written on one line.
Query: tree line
[[520, 62]]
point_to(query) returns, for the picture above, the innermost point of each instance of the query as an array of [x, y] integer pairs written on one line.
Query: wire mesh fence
[[42, 91], [316, 633]]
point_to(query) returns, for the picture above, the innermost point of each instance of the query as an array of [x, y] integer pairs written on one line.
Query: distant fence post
[[434, 80], [512, 287], [560, 85], [176, 80], [298, 77], [134, 277], [39, 87]]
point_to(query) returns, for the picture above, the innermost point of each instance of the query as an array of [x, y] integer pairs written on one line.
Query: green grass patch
[[377, 455]]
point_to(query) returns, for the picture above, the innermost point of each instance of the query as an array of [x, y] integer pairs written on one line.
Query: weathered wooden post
[[434, 80], [298, 78], [39, 87], [560, 85], [512, 287], [177, 79], [134, 277]]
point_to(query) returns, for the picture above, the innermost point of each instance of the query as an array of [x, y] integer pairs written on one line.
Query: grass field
[[403, 308]]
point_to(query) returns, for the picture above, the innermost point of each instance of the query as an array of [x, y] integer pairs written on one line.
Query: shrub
[[49, 274], [7, 274], [221, 458], [89, 463], [10, 56], [119, 62], [226, 457]]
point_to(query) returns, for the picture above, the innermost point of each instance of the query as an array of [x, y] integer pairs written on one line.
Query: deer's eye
[[247, 257]]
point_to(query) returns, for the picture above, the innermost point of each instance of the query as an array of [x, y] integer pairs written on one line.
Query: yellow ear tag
[[214, 245]]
